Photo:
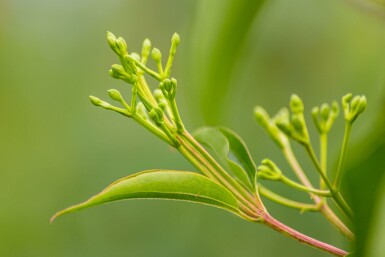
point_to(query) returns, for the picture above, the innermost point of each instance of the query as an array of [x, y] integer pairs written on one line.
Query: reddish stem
[[283, 229]]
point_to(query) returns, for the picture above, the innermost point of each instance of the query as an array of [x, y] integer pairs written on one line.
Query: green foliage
[[162, 184], [231, 151]]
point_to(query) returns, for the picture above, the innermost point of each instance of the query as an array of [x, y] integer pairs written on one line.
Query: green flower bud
[[168, 87], [325, 112], [362, 105], [118, 70], [175, 39], [111, 39], [354, 103], [115, 95], [162, 106], [97, 102], [141, 111], [296, 104], [156, 55], [335, 110], [345, 101], [146, 49], [136, 56], [282, 121], [315, 114], [262, 116], [268, 170], [158, 95], [353, 108], [122, 45], [297, 123]]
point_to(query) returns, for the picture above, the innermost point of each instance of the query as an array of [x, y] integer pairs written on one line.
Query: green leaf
[[163, 184], [231, 151]]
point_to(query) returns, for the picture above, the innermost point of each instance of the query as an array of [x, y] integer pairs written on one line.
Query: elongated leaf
[[231, 151], [163, 184]]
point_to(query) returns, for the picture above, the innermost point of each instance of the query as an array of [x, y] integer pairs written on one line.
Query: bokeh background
[[57, 149]]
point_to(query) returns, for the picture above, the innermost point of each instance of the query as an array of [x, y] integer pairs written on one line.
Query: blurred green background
[[57, 149]]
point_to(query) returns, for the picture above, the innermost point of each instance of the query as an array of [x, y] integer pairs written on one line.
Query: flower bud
[[175, 40], [156, 55], [168, 87], [97, 102], [111, 39], [261, 116], [296, 104], [268, 170], [115, 95], [122, 45], [146, 49], [141, 111], [136, 56], [356, 106], [315, 114], [335, 110], [325, 111]]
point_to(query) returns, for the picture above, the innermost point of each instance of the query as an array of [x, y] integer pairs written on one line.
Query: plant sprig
[[229, 178]]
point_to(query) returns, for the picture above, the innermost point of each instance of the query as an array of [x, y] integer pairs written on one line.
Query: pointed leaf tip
[[163, 184]]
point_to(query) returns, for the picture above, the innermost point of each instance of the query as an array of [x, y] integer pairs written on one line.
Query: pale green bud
[[136, 56], [175, 39], [315, 114], [297, 123], [354, 108], [268, 170], [362, 105], [345, 101], [325, 111], [261, 116], [118, 69], [354, 103], [156, 55], [158, 95], [122, 45], [146, 49], [168, 87], [335, 109], [156, 115], [111, 39], [97, 102], [115, 95], [141, 111], [282, 121], [296, 104]]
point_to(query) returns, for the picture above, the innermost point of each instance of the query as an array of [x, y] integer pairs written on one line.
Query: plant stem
[[148, 70], [301, 187], [285, 201], [283, 229], [338, 175], [324, 209], [203, 166], [337, 197], [154, 130], [323, 156]]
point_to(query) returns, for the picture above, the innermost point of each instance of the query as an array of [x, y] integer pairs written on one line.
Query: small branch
[[323, 155], [301, 187], [324, 209], [338, 175], [285, 201], [337, 197], [283, 229]]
